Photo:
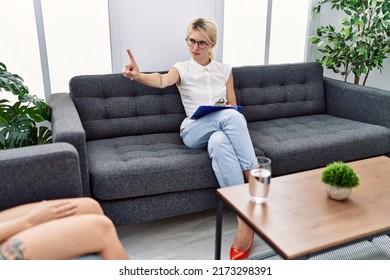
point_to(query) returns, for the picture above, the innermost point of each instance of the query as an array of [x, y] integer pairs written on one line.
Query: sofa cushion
[[279, 91], [113, 106], [307, 142], [134, 166]]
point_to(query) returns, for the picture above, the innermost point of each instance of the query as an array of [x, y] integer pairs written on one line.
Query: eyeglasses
[[192, 43]]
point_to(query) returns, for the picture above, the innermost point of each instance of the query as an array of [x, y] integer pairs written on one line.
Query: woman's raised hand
[[131, 69], [50, 210]]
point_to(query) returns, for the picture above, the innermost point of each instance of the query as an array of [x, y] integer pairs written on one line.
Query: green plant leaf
[[13, 83], [44, 109], [364, 19], [18, 133], [45, 135], [314, 40], [18, 121], [346, 22], [348, 12]]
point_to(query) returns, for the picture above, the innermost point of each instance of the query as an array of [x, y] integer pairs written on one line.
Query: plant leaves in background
[[18, 121], [363, 42]]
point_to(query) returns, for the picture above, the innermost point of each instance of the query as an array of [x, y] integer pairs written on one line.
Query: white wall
[[375, 78], [155, 30], [288, 31], [77, 41], [245, 32], [19, 45]]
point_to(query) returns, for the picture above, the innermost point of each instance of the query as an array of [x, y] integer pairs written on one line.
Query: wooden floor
[[189, 237], [192, 237]]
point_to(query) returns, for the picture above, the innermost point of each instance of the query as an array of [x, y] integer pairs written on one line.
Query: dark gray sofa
[[36, 173], [135, 164]]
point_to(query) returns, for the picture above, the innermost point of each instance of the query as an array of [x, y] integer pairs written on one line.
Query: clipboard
[[207, 109]]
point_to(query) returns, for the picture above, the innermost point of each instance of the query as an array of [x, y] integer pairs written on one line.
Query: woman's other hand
[[131, 70], [50, 210]]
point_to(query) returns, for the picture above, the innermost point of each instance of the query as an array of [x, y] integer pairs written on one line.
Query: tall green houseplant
[[362, 42], [18, 121]]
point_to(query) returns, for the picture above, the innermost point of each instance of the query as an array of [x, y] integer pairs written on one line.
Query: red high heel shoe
[[237, 254]]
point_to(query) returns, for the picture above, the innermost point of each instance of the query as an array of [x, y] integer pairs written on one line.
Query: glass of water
[[259, 180]]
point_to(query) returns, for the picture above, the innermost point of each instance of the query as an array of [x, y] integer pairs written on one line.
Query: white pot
[[338, 193]]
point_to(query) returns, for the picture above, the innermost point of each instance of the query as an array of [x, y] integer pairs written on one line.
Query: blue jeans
[[226, 136]]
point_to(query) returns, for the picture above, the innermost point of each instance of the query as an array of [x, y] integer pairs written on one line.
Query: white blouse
[[201, 85]]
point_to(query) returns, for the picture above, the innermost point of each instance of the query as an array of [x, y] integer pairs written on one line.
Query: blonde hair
[[208, 28]]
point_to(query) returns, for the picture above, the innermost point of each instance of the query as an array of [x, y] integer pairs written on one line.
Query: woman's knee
[[235, 121], [99, 224], [233, 115], [103, 227], [104, 222], [90, 205], [217, 141]]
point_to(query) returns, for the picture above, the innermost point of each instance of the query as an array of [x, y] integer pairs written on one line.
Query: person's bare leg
[[68, 238], [244, 232], [85, 205], [246, 175], [243, 237]]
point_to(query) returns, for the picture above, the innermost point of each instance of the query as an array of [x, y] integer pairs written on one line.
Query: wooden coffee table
[[299, 220]]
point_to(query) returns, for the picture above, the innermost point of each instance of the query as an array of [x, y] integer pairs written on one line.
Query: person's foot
[[241, 247]]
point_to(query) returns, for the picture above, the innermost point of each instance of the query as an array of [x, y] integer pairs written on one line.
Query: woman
[[58, 229], [203, 81]]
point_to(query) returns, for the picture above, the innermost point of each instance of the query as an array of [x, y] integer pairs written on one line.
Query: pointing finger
[[131, 56]]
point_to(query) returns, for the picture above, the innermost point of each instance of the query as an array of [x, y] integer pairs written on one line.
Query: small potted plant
[[339, 178]]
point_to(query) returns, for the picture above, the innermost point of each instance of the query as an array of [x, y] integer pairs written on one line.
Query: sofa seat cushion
[[143, 165], [302, 143]]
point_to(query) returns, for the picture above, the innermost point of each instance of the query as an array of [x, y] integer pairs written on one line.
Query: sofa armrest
[[36, 173], [355, 102], [67, 127]]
